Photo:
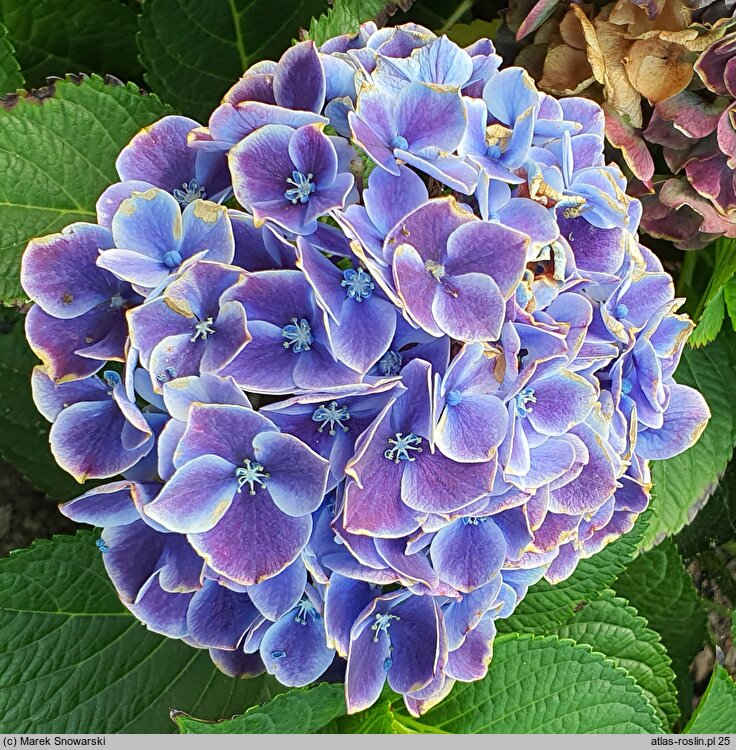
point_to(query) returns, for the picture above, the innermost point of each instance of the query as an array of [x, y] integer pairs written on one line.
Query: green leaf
[[301, 711], [465, 34], [546, 606], [613, 628], [10, 76], [716, 712], [379, 719], [55, 37], [710, 323], [194, 52], [72, 659], [24, 433], [725, 267], [682, 484], [729, 297], [543, 686], [344, 17], [58, 155], [660, 589]]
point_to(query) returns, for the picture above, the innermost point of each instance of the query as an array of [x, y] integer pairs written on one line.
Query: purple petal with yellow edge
[[51, 398], [376, 508], [151, 322], [685, 418], [318, 368], [297, 476], [263, 296], [457, 434], [429, 117], [324, 277], [514, 525], [167, 444], [161, 611], [426, 485], [646, 294], [294, 648], [59, 272], [253, 541], [275, 596], [372, 142], [468, 553], [469, 307], [231, 327], [563, 399], [259, 249], [549, 461], [368, 654], [176, 354], [416, 287], [415, 638], [595, 484], [557, 530], [345, 599], [134, 267], [462, 615], [453, 171], [345, 564], [159, 154], [564, 564], [237, 663], [414, 568], [470, 661], [530, 218], [108, 505], [299, 81], [389, 197], [148, 223], [223, 430], [488, 248], [181, 393], [311, 152], [109, 202], [196, 497], [206, 227], [218, 617]]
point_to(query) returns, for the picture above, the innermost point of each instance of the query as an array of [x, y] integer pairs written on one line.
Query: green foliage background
[[608, 650]]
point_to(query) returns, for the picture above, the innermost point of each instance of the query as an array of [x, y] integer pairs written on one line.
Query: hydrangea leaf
[[710, 323], [683, 484], [546, 606], [543, 686], [345, 17], [59, 151], [716, 712], [725, 268], [24, 433], [658, 586], [465, 34], [72, 659], [379, 719], [612, 627], [192, 63], [72, 36], [729, 297], [10, 76]]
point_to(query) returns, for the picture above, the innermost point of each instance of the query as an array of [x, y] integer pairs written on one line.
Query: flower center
[[400, 446], [382, 623], [169, 372], [173, 258], [303, 187], [435, 269], [305, 610], [117, 300], [620, 311], [453, 398], [473, 521], [522, 399], [626, 386], [250, 473], [112, 379], [390, 363], [204, 329], [398, 141], [332, 415], [299, 334], [358, 284], [189, 192]]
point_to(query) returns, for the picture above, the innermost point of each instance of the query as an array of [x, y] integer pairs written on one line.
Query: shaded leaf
[[72, 659], [610, 626], [58, 155], [657, 585], [465, 34], [10, 76], [716, 712], [193, 52], [710, 323]]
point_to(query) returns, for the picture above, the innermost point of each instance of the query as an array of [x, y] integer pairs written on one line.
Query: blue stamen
[[388, 662], [173, 258], [204, 329], [305, 611], [435, 269], [117, 300], [382, 623], [169, 372], [399, 448], [398, 141], [298, 333], [112, 379], [620, 311], [303, 187], [359, 285], [453, 398], [190, 192], [473, 520], [100, 544], [251, 473], [390, 363], [493, 151], [522, 399], [278, 654], [626, 386], [332, 415]]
